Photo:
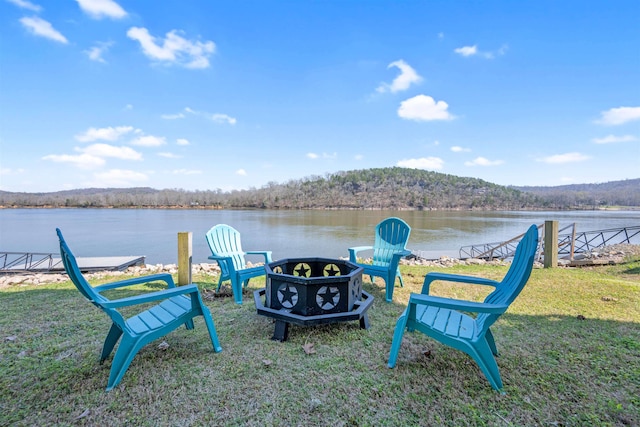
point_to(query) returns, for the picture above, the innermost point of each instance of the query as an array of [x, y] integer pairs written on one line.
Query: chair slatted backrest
[[392, 236], [515, 279], [71, 266], [224, 240]]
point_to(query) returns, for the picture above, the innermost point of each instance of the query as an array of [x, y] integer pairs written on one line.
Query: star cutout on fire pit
[[331, 270], [302, 270], [287, 295], [327, 297]]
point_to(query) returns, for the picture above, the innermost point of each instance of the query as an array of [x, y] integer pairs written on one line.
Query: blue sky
[[205, 95]]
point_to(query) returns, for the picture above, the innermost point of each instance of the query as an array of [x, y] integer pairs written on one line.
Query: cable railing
[[17, 262]]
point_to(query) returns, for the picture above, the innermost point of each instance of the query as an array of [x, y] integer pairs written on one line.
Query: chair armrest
[[161, 277], [265, 254], [459, 305], [432, 277], [151, 296], [354, 251], [221, 258]]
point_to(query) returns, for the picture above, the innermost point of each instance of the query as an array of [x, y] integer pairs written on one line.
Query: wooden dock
[[21, 262]]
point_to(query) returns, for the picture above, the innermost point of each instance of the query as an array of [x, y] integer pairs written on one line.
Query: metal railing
[[17, 262], [570, 243]]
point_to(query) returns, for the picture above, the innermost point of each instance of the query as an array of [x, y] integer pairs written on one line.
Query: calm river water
[[153, 232]]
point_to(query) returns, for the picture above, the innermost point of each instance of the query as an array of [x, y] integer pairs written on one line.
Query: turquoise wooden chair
[[388, 248], [446, 320], [226, 249], [176, 306]]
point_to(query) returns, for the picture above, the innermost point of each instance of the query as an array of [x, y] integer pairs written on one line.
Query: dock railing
[[16, 262]]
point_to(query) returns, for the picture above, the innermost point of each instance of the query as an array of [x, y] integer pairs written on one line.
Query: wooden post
[[550, 244], [184, 258]]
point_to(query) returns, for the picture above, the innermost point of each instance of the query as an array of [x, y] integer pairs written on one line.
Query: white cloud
[[312, 155], [618, 116], [457, 149], [106, 150], [407, 77], [473, 50], [98, 9], [358, 157], [107, 134], [241, 172], [430, 163], [467, 50], [149, 141], [440, 35], [564, 158], [424, 108], [168, 155], [24, 4], [182, 141], [223, 118], [173, 116], [95, 53], [482, 161], [42, 28], [173, 49], [83, 161], [118, 178], [609, 139], [128, 107]]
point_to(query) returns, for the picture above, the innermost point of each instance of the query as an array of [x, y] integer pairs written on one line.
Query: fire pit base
[[284, 317]]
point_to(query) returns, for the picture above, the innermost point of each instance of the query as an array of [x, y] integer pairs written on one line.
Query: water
[[153, 232]]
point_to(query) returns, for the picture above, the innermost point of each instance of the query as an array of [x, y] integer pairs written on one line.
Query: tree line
[[380, 188]]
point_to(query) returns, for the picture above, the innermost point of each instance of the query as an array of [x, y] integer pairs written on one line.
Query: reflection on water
[[153, 232]]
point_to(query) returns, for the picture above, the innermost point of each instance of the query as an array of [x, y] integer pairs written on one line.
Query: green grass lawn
[[570, 356]]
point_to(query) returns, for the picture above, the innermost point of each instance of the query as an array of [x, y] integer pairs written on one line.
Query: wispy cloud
[[467, 51], [95, 52], [564, 158], [105, 134], [428, 163], [106, 150], [619, 116], [169, 155], [610, 139], [241, 172], [424, 108], [457, 149], [42, 28], [149, 141], [83, 161], [405, 79], [323, 155], [182, 141], [173, 116], [482, 161], [24, 4], [173, 49], [223, 118], [98, 9], [312, 155]]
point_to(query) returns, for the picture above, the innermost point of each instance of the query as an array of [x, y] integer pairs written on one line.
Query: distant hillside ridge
[[392, 188], [613, 193]]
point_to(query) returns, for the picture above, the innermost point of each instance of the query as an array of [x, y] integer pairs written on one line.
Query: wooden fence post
[[550, 244], [184, 258]]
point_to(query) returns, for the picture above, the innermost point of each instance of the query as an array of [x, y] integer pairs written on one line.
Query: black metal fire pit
[[312, 291]]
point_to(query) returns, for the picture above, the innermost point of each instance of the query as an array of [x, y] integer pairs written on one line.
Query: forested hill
[[384, 188], [614, 193]]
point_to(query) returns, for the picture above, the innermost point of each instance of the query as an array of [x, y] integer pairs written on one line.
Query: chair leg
[[401, 324], [390, 282], [208, 320], [400, 277], [124, 355], [481, 353], [110, 342], [491, 342], [189, 324], [236, 286]]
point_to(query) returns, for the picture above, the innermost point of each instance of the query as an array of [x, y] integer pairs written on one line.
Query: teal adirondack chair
[[389, 246], [176, 306], [446, 320], [226, 249]]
